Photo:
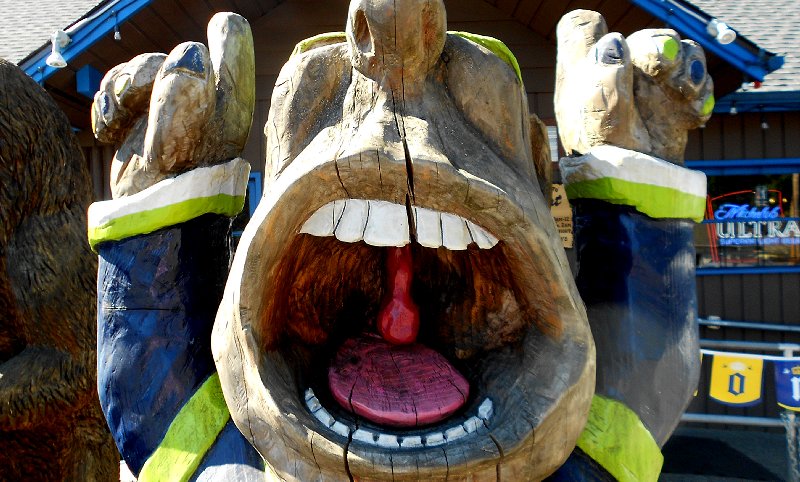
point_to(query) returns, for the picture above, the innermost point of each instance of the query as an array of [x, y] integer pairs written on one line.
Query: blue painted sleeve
[[636, 275], [158, 295]]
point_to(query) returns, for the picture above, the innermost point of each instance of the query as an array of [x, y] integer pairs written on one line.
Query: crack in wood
[[339, 177], [412, 224], [447, 465], [313, 454], [499, 449], [380, 171], [409, 168], [346, 451]]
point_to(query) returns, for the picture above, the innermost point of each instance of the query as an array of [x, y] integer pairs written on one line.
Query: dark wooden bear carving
[[51, 427]]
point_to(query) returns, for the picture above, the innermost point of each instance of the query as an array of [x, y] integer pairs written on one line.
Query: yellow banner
[[736, 380]]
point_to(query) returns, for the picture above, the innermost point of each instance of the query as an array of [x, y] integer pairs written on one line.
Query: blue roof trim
[[755, 101], [692, 23], [747, 270], [84, 37], [746, 167]]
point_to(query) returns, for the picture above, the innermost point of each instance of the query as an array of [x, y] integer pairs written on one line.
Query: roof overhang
[[83, 34], [693, 23], [757, 101]]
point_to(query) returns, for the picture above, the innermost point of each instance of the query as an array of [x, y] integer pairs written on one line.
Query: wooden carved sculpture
[[624, 107], [399, 307], [51, 426], [179, 121], [399, 167]]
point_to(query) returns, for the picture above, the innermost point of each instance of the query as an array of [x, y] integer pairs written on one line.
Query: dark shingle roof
[[772, 24], [27, 25]]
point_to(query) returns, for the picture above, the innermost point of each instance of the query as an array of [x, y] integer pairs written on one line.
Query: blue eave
[[756, 101], [746, 167], [690, 23], [84, 37]]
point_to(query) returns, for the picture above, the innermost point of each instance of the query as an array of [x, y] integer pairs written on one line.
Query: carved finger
[[107, 117], [595, 103], [124, 96], [230, 45], [592, 74], [609, 112], [134, 83], [657, 52], [694, 82], [670, 72], [577, 32], [181, 105], [678, 64], [690, 77]]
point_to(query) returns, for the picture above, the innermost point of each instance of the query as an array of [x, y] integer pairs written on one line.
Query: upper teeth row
[[392, 441], [381, 223]]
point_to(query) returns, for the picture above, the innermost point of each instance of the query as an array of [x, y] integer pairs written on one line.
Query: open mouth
[[487, 308], [394, 380], [405, 182], [336, 280]]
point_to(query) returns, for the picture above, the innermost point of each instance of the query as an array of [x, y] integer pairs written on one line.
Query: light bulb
[[59, 39], [721, 31]]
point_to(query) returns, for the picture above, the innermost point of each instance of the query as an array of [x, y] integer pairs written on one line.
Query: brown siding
[[770, 298], [740, 136]]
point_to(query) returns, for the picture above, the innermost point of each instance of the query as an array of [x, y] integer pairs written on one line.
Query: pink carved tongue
[[394, 381], [395, 385]]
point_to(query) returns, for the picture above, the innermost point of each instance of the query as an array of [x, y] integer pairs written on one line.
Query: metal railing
[[787, 349], [788, 419]]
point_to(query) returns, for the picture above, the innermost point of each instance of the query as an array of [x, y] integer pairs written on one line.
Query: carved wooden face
[[440, 162]]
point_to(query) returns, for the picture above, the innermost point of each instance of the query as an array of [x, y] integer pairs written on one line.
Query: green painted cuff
[[189, 436], [318, 41], [652, 186], [218, 189], [617, 440], [151, 220], [495, 46], [654, 201]]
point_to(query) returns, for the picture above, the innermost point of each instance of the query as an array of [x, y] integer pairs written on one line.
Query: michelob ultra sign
[[756, 223]]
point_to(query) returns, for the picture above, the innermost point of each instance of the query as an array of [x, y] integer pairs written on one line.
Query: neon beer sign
[[744, 211], [747, 225]]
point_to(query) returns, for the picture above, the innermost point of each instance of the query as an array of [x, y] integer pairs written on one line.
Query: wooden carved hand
[[171, 113], [641, 93]]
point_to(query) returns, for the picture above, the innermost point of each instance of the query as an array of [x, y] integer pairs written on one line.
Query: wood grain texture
[[643, 311], [422, 119], [51, 427]]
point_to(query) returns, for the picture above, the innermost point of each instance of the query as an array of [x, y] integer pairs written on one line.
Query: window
[[751, 220]]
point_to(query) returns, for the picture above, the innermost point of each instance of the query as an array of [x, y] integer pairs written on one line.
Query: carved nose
[[396, 40]]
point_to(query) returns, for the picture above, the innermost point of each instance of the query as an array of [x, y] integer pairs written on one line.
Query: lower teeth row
[[384, 440]]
